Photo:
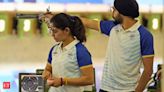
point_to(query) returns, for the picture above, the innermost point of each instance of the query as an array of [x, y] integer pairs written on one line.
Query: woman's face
[[59, 35]]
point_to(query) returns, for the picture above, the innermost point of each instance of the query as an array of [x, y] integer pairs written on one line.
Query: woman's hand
[[56, 82]]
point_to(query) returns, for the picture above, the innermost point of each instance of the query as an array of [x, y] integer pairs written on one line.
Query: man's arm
[[89, 23], [104, 26], [146, 75]]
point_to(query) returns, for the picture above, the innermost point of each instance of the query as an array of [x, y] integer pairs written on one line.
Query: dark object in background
[[15, 23], [39, 71], [145, 21], [105, 17], [156, 87], [27, 16], [31, 82]]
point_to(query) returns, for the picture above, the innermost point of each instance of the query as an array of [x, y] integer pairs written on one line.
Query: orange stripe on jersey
[[148, 56], [87, 66]]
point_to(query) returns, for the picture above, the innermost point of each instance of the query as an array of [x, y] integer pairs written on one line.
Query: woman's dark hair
[[74, 23]]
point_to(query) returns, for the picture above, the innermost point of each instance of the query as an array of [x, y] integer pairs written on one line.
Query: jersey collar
[[132, 28], [70, 45]]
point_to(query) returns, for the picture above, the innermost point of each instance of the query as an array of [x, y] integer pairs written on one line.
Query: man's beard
[[118, 19]]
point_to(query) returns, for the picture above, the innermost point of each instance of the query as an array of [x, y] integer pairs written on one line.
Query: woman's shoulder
[[82, 52], [56, 44], [81, 47]]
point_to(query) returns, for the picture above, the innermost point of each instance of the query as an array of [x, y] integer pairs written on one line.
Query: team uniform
[[125, 51], [67, 62]]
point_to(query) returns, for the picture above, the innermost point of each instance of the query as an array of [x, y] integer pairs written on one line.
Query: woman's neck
[[67, 41]]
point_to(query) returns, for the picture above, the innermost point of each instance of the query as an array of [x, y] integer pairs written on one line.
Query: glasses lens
[[111, 9]]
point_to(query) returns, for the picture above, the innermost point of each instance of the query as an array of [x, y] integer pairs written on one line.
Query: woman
[[69, 66]]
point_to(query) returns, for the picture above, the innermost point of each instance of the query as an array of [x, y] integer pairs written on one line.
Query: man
[[130, 44]]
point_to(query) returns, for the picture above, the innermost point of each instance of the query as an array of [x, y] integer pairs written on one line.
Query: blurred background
[[25, 42]]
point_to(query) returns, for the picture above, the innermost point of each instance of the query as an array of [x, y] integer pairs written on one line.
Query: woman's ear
[[67, 30]]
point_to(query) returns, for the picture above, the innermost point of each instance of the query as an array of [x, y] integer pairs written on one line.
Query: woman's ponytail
[[78, 29]]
